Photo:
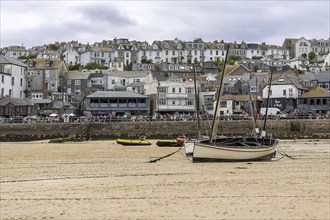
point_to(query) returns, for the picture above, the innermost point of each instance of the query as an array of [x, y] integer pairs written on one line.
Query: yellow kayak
[[133, 142]]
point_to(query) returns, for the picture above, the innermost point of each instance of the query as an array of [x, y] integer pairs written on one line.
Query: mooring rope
[[160, 158], [281, 151]]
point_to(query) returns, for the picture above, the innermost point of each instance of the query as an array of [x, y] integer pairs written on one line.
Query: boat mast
[[263, 133], [197, 104], [252, 111], [216, 119]]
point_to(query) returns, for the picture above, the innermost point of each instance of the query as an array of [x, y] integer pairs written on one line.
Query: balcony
[[176, 95], [177, 108]]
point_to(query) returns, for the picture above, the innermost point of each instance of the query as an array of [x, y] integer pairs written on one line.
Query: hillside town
[[128, 79]]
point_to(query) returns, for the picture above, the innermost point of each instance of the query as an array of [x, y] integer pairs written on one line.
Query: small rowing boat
[[167, 143]]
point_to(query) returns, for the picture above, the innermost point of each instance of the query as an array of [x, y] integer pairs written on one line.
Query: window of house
[[190, 102], [161, 101], [173, 90], [166, 52], [21, 82], [9, 92], [180, 90], [173, 53], [162, 90], [290, 92], [190, 90], [68, 81], [77, 92], [173, 102], [253, 89], [12, 81], [284, 92], [2, 78], [223, 104], [77, 82]]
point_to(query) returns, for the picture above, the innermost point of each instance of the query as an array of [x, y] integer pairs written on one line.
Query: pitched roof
[[288, 79], [10, 60], [76, 75], [237, 70], [15, 102], [316, 93]]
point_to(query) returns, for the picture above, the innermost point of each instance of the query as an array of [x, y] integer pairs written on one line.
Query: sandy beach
[[105, 180]]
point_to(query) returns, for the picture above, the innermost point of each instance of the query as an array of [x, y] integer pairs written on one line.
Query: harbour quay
[[282, 129]]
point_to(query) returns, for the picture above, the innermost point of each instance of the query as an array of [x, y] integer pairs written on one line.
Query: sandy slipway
[[105, 180]]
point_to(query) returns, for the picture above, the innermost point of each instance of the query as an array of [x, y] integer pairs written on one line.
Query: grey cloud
[[104, 14]]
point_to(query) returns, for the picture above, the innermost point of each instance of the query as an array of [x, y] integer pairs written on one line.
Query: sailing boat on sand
[[232, 148]]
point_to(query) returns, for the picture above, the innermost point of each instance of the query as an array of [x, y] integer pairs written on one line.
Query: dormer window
[[281, 80], [31, 63], [166, 45], [179, 46]]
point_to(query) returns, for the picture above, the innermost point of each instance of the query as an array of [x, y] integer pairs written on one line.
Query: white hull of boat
[[205, 152], [189, 147]]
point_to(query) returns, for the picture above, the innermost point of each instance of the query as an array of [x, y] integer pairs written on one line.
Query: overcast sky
[[33, 23]]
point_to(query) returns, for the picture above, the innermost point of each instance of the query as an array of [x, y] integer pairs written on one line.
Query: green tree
[[218, 63], [53, 47], [128, 67], [232, 59], [73, 67], [311, 56], [304, 55], [30, 56], [256, 67], [93, 66], [146, 61]]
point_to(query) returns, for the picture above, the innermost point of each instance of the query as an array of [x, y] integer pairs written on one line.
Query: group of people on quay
[[161, 117]]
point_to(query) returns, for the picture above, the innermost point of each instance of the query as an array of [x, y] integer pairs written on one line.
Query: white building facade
[[12, 78]]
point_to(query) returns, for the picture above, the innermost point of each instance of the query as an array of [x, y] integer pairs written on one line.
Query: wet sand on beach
[[105, 180]]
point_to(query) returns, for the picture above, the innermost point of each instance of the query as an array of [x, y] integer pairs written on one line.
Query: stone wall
[[283, 129]]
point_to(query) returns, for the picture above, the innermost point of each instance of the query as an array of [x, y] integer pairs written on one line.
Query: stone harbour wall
[[282, 129]]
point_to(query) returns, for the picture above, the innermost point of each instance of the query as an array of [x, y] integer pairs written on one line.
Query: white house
[[299, 63], [302, 46], [16, 51], [12, 78], [284, 92], [97, 54], [215, 51], [172, 94], [120, 80], [277, 52], [71, 56]]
